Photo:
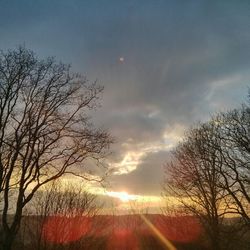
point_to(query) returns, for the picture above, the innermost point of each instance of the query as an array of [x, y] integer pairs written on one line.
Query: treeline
[[209, 175]]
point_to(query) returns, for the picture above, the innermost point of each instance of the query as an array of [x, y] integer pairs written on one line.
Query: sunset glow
[[122, 196]]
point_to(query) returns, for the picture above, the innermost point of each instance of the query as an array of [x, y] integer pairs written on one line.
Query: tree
[[193, 178], [45, 129], [62, 214], [234, 147]]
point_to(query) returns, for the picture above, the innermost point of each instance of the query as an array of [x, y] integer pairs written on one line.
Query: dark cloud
[[182, 62]]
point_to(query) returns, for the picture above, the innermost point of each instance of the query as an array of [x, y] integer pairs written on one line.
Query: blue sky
[[183, 60]]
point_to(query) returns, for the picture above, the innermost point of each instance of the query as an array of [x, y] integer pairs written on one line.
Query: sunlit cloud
[[129, 162], [135, 152], [173, 135]]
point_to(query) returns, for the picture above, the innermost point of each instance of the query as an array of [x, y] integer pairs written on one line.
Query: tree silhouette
[[234, 131], [45, 129], [61, 214], [193, 178], [210, 173]]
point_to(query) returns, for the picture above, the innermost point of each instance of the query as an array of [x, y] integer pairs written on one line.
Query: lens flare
[[179, 228], [159, 235]]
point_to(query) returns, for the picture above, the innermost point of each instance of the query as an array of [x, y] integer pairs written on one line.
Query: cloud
[[146, 179]]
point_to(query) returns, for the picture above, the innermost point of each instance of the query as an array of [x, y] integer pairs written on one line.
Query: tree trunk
[[8, 240], [215, 239]]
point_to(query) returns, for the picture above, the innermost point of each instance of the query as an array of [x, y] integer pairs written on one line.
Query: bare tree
[[45, 129], [61, 214], [234, 147], [193, 178]]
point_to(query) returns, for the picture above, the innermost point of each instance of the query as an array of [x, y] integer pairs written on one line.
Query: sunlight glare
[[122, 196]]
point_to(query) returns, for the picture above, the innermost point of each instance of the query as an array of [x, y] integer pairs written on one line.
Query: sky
[[164, 65]]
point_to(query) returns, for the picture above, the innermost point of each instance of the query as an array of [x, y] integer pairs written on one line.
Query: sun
[[122, 196]]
